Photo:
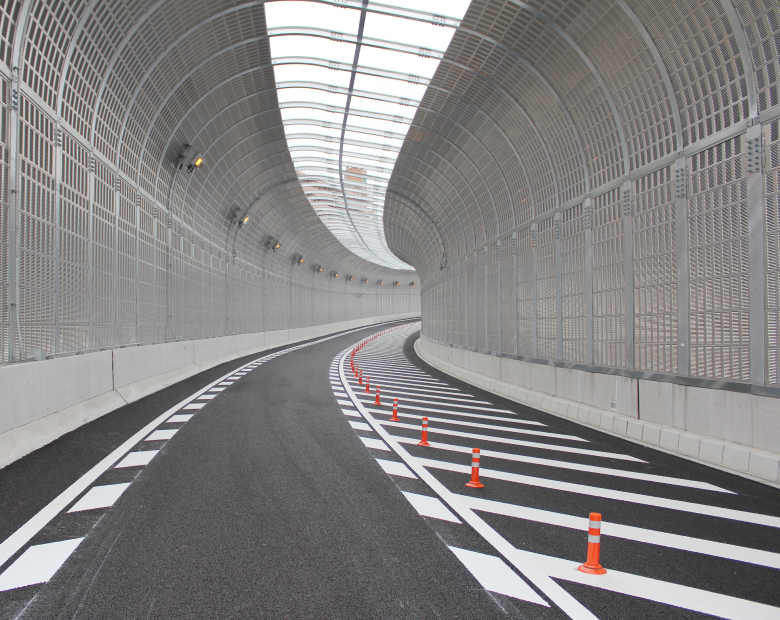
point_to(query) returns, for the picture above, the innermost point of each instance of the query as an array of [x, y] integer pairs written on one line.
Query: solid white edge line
[[24, 534], [573, 608]]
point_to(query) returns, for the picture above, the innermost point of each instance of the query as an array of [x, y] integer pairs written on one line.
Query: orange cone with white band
[[376, 402], [360, 378], [474, 483], [424, 440], [368, 387], [395, 411], [592, 565]]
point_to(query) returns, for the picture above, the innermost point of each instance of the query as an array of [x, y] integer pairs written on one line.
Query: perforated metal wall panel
[[609, 283], [655, 269], [772, 198], [546, 292], [718, 225], [573, 284], [525, 293]]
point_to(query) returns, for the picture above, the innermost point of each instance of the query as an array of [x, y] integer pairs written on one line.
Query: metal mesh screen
[[573, 284], [525, 293], [719, 266], [772, 203], [546, 293], [655, 273]]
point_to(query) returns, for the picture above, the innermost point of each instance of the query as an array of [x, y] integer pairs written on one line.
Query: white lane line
[[570, 606], [520, 431], [100, 497], [464, 414], [207, 396], [360, 426], [429, 506], [195, 406], [38, 564], [162, 435], [606, 471], [520, 442], [226, 383], [622, 496], [468, 407], [180, 417], [405, 394], [627, 532], [701, 601], [217, 389], [351, 413], [137, 459], [395, 468], [376, 444], [494, 575], [408, 383]]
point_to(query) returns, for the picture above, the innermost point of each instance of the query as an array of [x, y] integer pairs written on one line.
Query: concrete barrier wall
[[733, 431], [41, 401]]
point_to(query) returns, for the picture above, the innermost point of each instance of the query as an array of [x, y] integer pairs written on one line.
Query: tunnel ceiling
[[538, 105], [127, 85]]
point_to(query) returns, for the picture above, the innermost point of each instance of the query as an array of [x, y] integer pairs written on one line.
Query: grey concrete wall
[[41, 401], [734, 431]]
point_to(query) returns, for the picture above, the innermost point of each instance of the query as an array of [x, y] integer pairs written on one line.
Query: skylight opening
[[313, 46]]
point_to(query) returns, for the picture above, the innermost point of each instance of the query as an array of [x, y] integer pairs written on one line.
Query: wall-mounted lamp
[[190, 158], [298, 259], [395, 283], [335, 274], [273, 244], [411, 283], [317, 268], [365, 280], [380, 281], [350, 278]]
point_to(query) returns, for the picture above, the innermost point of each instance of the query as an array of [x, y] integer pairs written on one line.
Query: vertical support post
[[534, 292], [137, 260], [57, 234], [474, 267], [587, 210], [514, 290], [117, 236], [13, 216], [499, 313], [628, 263], [154, 268], [683, 269], [756, 254], [486, 298], [90, 251], [558, 283]]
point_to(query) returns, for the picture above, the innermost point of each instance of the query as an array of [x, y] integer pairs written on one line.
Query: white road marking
[[606, 471], [225, 383], [100, 497], [345, 403], [137, 459], [360, 426], [404, 395], [395, 468], [446, 431], [407, 383], [479, 425], [349, 412], [194, 406], [376, 444], [38, 564], [701, 601], [494, 575], [216, 389], [207, 396], [429, 506], [405, 402], [627, 532], [623, 496], [162, 435], [180, 417]]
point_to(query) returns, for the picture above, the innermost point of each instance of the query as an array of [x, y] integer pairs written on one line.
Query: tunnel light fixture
[[298, 260], [273, 244], [190, 158], [395, 283], [350, 278], [411, 284], [335, 274], [365, 280], [380, 282], [317, 268]]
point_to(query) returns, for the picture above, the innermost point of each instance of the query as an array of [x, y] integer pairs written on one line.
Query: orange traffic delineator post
[[368, 385], [376, 402], [592, 565], [474, 483], [424, 440], [360, 377], [395, 411]]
